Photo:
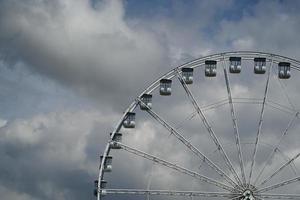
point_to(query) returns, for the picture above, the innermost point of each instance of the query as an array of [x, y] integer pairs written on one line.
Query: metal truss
[[235, 126], [209, 129], [189, 145], [176, 167], [260, 124], [279, 196], [285, 132], [169, 193], [280, 169], [278, 185]]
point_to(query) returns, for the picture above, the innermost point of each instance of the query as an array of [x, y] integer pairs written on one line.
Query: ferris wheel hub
[[248, 195]]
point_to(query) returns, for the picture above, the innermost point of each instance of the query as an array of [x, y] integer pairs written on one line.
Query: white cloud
[[94, 50], [63, 135], [54, 143], [6, 193], [2, 122], [270, 26]]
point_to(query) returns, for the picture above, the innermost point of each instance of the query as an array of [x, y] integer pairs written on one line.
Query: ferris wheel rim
[[247, 55]]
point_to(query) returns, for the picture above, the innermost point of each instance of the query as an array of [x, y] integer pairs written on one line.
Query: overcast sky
[[69, 68]]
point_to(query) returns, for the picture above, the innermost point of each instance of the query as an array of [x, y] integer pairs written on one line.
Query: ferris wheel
[[224, 126]]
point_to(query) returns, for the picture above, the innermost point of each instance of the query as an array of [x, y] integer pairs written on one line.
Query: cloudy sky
[[69, 68]]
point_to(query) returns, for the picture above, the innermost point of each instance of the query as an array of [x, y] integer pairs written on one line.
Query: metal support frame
[[235, 126], [194, 194], [285, 132], [169, 193], [190, 146], [176, 167], [278, 185], [260, 123], [209, 128], [280, 169], [279, 196]]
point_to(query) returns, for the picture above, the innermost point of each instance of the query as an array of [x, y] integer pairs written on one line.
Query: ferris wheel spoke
[[279, 185], [280, 169], [189, 145], [175, 167], [209, 128], [235, 126], [260, 124], [279, 196], [219, 104], [285, 132], [284, 107], [280, 108], [205, 108], [285, 93], [167, 193]]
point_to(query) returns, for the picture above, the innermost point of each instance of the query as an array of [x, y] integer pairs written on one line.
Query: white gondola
[[129, 121], [147, 101], [260, 65], [284, 70], [235, 65], [117, 138], [187, 75], [103, 192], [107, 163], [165, 87], [210, 68]]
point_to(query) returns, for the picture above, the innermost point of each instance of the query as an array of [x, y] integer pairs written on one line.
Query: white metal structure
[[240, 178]]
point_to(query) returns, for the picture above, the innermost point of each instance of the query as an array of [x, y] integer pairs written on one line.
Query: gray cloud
[[271, 27], [107, 57], [48, 156], [81, 46]]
